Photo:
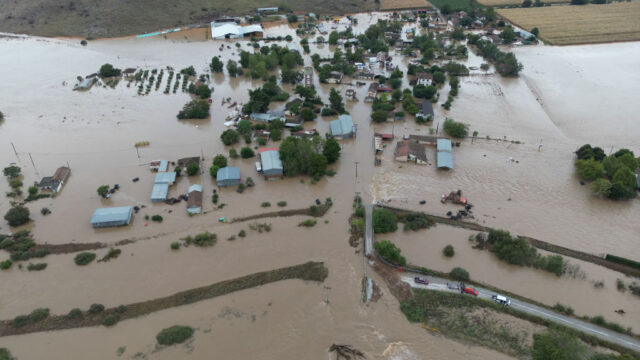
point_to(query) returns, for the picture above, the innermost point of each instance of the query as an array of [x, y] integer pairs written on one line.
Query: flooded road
[[95, 132]]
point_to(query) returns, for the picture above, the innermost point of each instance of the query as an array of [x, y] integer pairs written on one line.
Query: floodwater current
[[562, 97]]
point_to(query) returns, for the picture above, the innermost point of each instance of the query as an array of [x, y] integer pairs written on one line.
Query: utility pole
[[14, 149], [32, 163], [137, 152], [356, 162]]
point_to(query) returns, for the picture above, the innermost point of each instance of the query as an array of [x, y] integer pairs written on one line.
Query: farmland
[[455, 4], [402, 4], [515, 2], [570, 25]]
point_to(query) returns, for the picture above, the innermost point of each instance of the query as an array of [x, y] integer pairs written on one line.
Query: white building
[[234, 31]]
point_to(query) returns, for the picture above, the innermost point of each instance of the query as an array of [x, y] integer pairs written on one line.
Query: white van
[[501, 300], [258, 167]]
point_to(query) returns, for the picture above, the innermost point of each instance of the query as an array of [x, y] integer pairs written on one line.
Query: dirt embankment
[[310, 271], [319, 211], [561, 250]]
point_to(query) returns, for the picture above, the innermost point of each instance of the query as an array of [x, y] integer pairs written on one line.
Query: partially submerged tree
[[17, 215]]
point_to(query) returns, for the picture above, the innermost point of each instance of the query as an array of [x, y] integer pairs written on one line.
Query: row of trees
[[612, 176], [506, 63], [517, 251]]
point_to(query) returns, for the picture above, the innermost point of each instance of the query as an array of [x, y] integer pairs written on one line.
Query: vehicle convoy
[[501, 299], [421, 280]]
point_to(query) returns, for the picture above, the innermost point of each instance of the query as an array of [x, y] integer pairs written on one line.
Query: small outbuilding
[[194, 201], [342, 128], [271, 164], [444, 155], [165, 178], [228, 176], [113, 216], [159, 192]]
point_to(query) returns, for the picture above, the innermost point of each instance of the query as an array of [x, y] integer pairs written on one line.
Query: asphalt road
[[439, 284]]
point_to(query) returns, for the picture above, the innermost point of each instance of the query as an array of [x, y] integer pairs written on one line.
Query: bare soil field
[[568, 25], [515, 2], [113, 18], [402, 4]]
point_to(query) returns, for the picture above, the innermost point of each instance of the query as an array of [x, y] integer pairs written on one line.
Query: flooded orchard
[[94, 132]]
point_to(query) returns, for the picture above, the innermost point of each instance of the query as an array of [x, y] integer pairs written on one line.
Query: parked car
[[453, 286], [501, 299], [471, 291], [421, 280]]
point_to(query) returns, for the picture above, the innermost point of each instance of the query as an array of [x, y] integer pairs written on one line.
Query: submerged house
[[230, 30], [161, 184], [372, 93], [228, 176], [445, 157], [113, 216], [342, 128], [426, 110], [271, 164], [194, 200], [55, 182], [425, 79], [268, 116], [410, 151]]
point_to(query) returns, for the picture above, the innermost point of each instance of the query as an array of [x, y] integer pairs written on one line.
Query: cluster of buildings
[[412, 149]]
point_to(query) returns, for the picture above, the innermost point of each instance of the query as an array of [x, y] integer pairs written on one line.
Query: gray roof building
[[444, 155], [165, 178], [159, 192], [194, 202], [269, 116], [342, 127], [228, 176], [114, 216], [271, 164]]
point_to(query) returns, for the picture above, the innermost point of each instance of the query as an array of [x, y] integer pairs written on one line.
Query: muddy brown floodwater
[[95, 132]]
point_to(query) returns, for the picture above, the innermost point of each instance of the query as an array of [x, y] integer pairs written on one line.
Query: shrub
[[314, 210], [620, 285], [33, 190], [242, 233], [379, 116], [39, 314], [156, 218], [384, 221], [107, 70], [233, 154], [448, 251], [390, 252], [230, 137], [204, 239], [121, 309], [358, 223], [241, 188], [249, 182], [17, 215], [111, 254], [110, 320], [589, 169], [415, 221], [96, 308], [203, 91], [20, 321], [11, 172], [174, 335], [75, 313], [265, 204], [45, 211], [327, 111], [308, 223], [5, 265], [84, 258], [567, 310], [557, 345], [103, 190], [175, 245], [331, 172], [455, 129], [282, 203], [459, 273], [246, 152], [36, 267]]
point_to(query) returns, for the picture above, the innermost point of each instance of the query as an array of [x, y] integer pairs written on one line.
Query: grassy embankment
[[98, 315]]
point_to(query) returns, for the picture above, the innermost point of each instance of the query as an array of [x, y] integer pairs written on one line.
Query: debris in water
[[346, 352]]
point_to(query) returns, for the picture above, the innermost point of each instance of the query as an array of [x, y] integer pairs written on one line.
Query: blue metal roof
[[113, 214], [228, 173], [164, 165], [445, 159], [443, 145], [165, 178], [342, 126], [271, 163], [159, 192]]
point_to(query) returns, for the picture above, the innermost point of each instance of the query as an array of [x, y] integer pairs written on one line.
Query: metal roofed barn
[[444, 155], [271, 164], [342, 127], [165, 178], [113, 216], [159, 192], [228, 176], [228, 30]]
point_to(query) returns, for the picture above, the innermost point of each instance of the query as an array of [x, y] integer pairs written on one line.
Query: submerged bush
[[110, 320], [174, 335], [74, 313], [448, 251], [84, 258], [459, 273], [96, 308]]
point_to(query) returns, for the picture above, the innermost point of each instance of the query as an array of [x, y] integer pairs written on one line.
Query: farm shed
[[159, 192], [113, 216], [271, 164], [228, 30], [444, 155], [228, 176], [165, 178]]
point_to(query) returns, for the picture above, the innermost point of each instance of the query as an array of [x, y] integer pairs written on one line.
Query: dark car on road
[[421, 280]]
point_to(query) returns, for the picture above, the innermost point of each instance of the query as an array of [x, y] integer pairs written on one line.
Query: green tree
[[379, 116], [107, 70], [17, 215], [490, 14], [331, 150], [424, 92], [220, 161], [384, 221], [192, 168], [307, 114], [233, 69], [535, 31], [333, 38], [213, 171], [292, 18], [611, 164], [557, 345], [455, 129], [527, 3], [229, 137], [589, 169], [103, 190], [448, 251], [216, 65], [317, 165], [246, 152], [601, 187], [33, 190], [11, 172], [195, 109], [459, 273], [438, 77], [203, 91], [336, 101], [620, 191], [244, 127], [508, 35], [395, 83], [629, 161], [390, 252], [625, 177]]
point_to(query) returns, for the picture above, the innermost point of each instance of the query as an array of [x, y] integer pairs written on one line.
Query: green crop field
[[455, 4]]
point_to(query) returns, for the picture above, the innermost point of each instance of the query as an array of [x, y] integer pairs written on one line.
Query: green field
[[455, 4], [111, 18]]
